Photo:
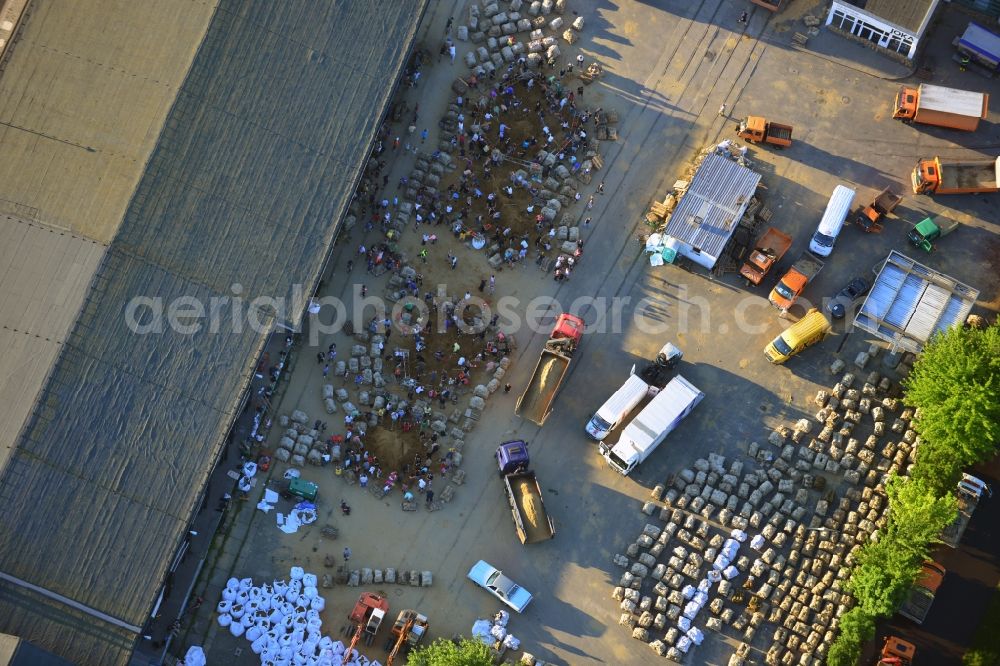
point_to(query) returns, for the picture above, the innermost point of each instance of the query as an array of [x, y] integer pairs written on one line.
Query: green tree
[[882, 578], [956, 385], [856, 629], [443, 652], [917, 515]]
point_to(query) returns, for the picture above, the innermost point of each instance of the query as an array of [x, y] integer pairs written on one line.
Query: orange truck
[[896, 652], [790, 286], [772, 5], [768, 251], [937, 176], [944, 107], [918, 603], [758, 129]]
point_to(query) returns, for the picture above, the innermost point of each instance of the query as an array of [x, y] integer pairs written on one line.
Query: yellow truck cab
[[809, 330]]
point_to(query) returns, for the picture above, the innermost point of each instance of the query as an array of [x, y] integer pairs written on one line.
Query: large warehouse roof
[[253, 168]]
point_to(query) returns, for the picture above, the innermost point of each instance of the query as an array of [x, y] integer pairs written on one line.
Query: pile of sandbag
[[281, 620]]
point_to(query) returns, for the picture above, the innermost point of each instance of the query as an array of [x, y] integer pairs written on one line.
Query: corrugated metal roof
[[254, 169], [716, 199], [913, 15], [45, 274], [950, 100], [910, 302]]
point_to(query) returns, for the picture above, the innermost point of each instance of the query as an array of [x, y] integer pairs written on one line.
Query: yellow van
[[809, 330]]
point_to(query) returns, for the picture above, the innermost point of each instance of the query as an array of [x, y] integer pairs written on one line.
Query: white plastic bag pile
[[697, 597], [281, 621], [494, 631]]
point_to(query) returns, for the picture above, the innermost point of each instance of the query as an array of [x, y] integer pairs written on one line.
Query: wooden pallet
[[799, 39]]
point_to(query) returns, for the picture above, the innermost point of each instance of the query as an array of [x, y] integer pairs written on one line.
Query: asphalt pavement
[[668, 67]]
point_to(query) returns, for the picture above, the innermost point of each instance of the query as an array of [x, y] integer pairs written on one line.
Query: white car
[[491, 579]]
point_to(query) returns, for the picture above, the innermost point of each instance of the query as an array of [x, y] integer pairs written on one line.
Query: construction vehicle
[[536, 401], [524, 495], [970, 491], [767, 252], [935, 176], [870, 217], [790, 286], [944, 107], [896, 652], [366, 618], [407, 632], [924, 233], [918, 603], [757, 129]]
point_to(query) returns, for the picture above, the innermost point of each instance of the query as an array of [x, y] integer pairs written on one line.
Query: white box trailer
[[652, 425]]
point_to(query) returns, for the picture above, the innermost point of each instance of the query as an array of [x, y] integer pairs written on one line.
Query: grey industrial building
[[155, 150]]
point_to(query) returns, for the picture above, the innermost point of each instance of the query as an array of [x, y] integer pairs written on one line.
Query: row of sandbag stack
[[817, 496]]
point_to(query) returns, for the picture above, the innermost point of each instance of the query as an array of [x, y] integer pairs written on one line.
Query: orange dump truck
[[805, 268], [767, 252], [757, 129], [937, 176], [944, 107]]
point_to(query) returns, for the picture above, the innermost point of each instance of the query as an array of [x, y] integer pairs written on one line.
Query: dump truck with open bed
[[536, 401], [524, 495], [937, 176], [767, 252], [870, 217], [757, 129], [790, 286], [924, 233], [944, 107], [918, 603]]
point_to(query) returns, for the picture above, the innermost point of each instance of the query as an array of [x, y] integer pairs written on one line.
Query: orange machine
[[767, 252], [870, 217], [944, 107], [896, 652], [937, 176], [758, 129], [408, 630], [366, 618], [795, 280]]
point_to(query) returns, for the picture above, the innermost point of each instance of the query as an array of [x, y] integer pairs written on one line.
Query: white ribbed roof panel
[[910, 302], [951, 100]]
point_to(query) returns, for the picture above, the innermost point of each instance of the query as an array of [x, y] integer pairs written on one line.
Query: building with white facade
[[897, 26]]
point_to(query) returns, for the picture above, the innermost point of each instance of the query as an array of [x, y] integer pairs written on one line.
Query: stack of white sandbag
[[281, 621]]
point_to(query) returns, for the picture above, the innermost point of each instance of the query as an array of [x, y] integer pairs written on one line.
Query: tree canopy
[[443, 652], [955, 384]]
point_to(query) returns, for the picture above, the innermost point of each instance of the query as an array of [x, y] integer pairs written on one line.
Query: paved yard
[[667, 70]]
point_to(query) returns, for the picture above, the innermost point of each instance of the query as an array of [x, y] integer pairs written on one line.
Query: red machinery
[[366, 618]]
